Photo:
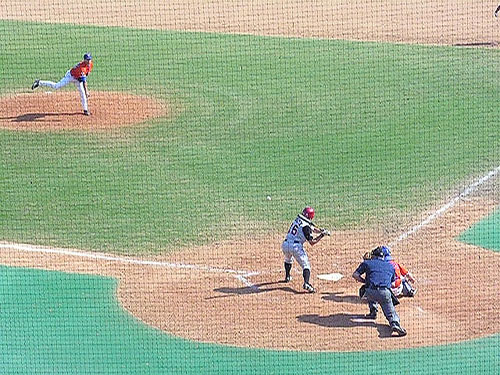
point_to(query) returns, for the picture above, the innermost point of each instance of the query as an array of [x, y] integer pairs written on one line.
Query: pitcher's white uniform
[[293, 247], [77, 75]]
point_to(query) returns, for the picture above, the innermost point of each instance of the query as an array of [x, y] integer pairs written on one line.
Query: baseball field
[[145, 238]]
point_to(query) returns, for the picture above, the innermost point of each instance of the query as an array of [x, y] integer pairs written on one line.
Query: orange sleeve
[[404, 271], [397, 270]]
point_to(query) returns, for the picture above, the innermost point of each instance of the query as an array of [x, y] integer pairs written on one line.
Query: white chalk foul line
[[467, 191], [239, 274]]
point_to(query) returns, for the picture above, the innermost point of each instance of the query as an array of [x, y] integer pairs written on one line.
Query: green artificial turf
[[58, 323], [364, 132], [486, 233]]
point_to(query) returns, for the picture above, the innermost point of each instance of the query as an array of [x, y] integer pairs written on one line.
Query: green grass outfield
[[358, 130], [58, 323], [361, 131]]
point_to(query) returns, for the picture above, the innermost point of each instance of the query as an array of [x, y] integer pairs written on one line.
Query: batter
[[301, 231]]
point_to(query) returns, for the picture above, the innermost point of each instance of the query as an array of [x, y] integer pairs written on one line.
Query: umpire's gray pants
[[382, 297]]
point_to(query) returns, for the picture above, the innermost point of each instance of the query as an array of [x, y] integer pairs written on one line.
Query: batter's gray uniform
[[293, 247]]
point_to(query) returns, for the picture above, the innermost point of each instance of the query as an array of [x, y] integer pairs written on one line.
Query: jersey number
[[294, 229]]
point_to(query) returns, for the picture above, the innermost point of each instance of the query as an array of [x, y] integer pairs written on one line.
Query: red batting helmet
[[308, 212]]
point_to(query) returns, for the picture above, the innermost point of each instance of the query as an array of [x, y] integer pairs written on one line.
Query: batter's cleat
[[398, 329], [309, 288], [35, 84], [287, 279], [412, 293], [86, 113]]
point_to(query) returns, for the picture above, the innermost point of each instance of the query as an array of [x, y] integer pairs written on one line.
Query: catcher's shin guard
[[408, 290]]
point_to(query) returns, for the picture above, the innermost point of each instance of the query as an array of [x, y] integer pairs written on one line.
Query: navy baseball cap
[[87, 56]]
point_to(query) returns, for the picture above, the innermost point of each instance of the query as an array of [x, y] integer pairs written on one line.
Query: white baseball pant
[[295, 250], [67, 79]]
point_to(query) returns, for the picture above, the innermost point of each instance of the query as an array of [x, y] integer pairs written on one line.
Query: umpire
[[379, 277]]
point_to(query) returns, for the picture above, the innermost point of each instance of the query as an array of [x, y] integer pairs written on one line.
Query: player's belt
[[377, 287]]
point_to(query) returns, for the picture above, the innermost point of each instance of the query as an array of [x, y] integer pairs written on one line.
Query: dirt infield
[[206, 302], [59, 111], [457, 299]]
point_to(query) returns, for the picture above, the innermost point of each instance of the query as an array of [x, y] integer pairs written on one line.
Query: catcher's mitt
[[367, 255]]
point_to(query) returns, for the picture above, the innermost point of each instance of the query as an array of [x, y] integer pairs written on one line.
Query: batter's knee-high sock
[[307, 274], [288, 268]]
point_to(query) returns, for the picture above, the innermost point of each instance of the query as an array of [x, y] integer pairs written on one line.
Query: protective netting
[[156, 159]]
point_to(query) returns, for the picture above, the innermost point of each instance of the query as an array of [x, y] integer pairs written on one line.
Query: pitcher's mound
[[59, 111]]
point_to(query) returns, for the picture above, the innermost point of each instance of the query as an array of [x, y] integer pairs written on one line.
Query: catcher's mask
[[378, 252], [308, 212]]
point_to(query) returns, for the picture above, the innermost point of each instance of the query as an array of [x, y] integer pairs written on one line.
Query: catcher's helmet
[[308, 212], [378, 252], [386, 252], [87, 56]]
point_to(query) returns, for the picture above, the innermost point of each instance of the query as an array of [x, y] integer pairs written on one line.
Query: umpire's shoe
[[398, 329], [371, 315], [35, 84], [308, 287]]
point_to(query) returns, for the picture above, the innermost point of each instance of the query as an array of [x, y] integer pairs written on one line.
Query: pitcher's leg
[[50, 84], [56, 86], [83, 97]]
